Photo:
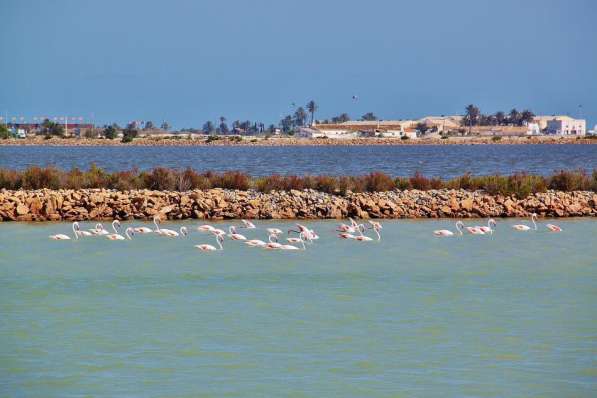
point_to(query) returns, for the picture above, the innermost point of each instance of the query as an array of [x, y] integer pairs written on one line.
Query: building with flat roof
[[361, 128], [565, 125]]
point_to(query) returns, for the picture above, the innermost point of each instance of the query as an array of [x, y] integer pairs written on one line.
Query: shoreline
[[221, 204], [285, 141]]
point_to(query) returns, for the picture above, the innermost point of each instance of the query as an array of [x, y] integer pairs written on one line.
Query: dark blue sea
[[442, 160]]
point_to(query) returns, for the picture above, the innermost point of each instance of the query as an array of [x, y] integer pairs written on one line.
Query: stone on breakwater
[[219, 204]]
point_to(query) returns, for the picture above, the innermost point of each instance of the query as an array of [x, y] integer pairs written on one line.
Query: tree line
[[474, 117]]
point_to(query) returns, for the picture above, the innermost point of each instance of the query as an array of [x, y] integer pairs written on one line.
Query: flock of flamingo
[[352, 231], [490, 227]]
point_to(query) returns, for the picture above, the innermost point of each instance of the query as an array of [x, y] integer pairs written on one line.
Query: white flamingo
[[142, 230], [80, 232], [447, 232], [247, 224], [294, 240], [255, 243], [274, 231], [473, 230], [63, 236], [218, 231], [99, 230], [273, 243], [205, 228], [210, 248], [234, 235], [169, 233], [487, 228], [128, 232], [523, 227]]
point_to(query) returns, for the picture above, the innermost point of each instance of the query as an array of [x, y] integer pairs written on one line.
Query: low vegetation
[[519, 184]]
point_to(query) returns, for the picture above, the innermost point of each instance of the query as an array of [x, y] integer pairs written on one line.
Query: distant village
[[471, 124]]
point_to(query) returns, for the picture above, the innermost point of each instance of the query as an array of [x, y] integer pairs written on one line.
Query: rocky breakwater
[[219, 204]]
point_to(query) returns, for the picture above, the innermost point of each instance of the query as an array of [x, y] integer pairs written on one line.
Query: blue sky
[[191, 61]]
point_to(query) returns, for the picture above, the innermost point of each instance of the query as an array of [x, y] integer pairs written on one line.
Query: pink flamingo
[[233, 235], [352, 228], [553, 228]]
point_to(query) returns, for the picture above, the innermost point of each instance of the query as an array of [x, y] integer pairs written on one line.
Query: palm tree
[[500, 117], [471, 116], [527, 116], [514, 117], [300, 116], [312, 107], [369, 116], [223, 126]]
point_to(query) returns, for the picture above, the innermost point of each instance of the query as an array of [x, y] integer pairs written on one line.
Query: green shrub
[[496, 138]]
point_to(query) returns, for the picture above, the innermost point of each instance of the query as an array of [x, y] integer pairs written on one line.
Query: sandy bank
[[252, 141]]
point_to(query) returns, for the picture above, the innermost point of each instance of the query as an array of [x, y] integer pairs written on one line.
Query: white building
[[565, 125], [594, 131], [354, 129]]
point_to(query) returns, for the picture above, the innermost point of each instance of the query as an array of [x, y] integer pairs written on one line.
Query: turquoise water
[[511, 315]]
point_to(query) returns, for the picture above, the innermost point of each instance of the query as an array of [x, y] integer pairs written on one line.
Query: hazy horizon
[[187, 62]]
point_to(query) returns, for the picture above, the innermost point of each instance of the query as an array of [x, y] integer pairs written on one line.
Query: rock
[[22, 209]]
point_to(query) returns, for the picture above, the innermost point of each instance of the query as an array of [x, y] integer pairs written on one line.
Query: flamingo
[[205, 228], [362, 238], [120, 237], [142, 230], [273, 243], [473, 230], [523, 227], [65, 237], [255, 243], [78, 230], [375, 224], [248, 224], [309, 234], [487, 229], [346, 235], [295, 240], [233, 235], [218, 231], [210, 248], [352, 228], [274, 231], [169, 233], [99, 230], [446, 232], [553, 228]]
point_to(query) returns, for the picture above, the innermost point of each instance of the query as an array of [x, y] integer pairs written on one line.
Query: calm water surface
[[442, 161], [512, 315]]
